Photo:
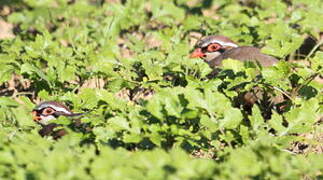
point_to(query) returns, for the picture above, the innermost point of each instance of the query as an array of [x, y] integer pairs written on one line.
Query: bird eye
[[213, 47], [48, 111]]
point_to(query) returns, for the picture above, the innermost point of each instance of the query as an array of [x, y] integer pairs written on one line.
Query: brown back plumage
[[245, 53]]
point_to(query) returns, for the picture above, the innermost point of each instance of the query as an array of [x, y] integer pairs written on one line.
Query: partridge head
[[49, 110], [215, 49]]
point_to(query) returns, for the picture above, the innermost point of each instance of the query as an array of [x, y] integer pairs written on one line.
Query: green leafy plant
[[153, 113]]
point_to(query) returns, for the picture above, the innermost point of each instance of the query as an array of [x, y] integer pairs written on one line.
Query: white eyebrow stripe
[[220, 42], [61, 109]]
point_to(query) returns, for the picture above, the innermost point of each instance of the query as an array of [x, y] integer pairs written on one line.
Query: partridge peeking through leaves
[[215, 49], [48, 111]]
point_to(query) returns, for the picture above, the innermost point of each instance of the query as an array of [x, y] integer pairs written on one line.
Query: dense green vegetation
[[155, 113]]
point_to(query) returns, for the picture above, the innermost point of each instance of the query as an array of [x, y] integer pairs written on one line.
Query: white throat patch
[[211, 55], [45, 119]]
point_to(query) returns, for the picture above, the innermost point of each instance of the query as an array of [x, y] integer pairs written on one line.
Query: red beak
[[36, 117], [197, 53]]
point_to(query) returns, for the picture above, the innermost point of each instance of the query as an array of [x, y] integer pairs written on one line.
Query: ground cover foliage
[[155, 113]]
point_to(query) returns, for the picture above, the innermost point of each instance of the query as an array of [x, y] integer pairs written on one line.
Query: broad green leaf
[[256, 119], [276, 122], [231, 119], [119, 123]]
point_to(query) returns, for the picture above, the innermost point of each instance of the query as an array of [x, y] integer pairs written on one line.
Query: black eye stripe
[[45, 109], [221, 50], [204, 49], [56, 114], [41, 111]]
